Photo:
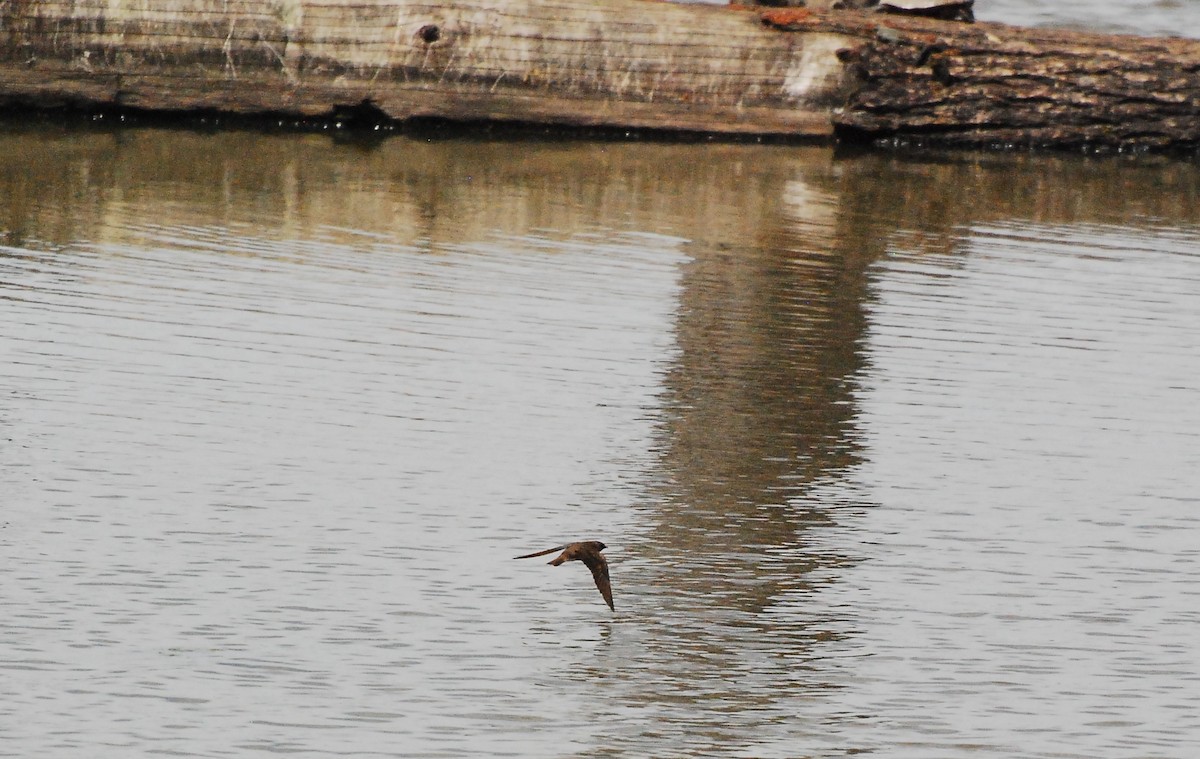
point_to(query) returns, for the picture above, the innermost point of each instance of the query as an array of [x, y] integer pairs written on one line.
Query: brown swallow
[[587, 551]]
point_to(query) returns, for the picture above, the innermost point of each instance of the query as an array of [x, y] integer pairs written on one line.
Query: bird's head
[[600, 546]]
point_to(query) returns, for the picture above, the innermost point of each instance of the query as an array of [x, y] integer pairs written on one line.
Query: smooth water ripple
[[256, 482], [1033, 439]]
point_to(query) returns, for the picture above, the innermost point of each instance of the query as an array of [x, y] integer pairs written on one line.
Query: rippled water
[[892, 456], [1146, 17], [1034, 440]]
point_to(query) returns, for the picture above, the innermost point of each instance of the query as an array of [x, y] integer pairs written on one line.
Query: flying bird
[[587, 551]]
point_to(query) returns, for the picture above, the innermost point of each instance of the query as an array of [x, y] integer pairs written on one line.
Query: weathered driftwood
[[616, 63], [620, 63]]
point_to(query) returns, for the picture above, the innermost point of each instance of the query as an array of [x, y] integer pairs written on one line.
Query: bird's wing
[[599, 567], [540, 553]]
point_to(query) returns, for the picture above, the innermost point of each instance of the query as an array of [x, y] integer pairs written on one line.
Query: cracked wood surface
[[619, 63]]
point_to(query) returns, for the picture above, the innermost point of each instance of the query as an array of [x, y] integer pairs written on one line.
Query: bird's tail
[[540, 553]]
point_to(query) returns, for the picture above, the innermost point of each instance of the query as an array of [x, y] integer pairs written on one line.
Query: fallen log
[[628, 64], [617, 63]]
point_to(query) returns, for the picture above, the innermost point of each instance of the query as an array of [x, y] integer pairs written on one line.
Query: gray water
[[893, 455], [1145, 17]]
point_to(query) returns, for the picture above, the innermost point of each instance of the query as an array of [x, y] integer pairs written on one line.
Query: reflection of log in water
[[933, 203], [445, 193], [436, 195], [758, 410], [759, 403]]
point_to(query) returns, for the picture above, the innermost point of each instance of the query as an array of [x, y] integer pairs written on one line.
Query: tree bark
[[920, 81]]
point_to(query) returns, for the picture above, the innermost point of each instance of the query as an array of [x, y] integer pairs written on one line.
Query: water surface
[[1179, 18], [893, 455]]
